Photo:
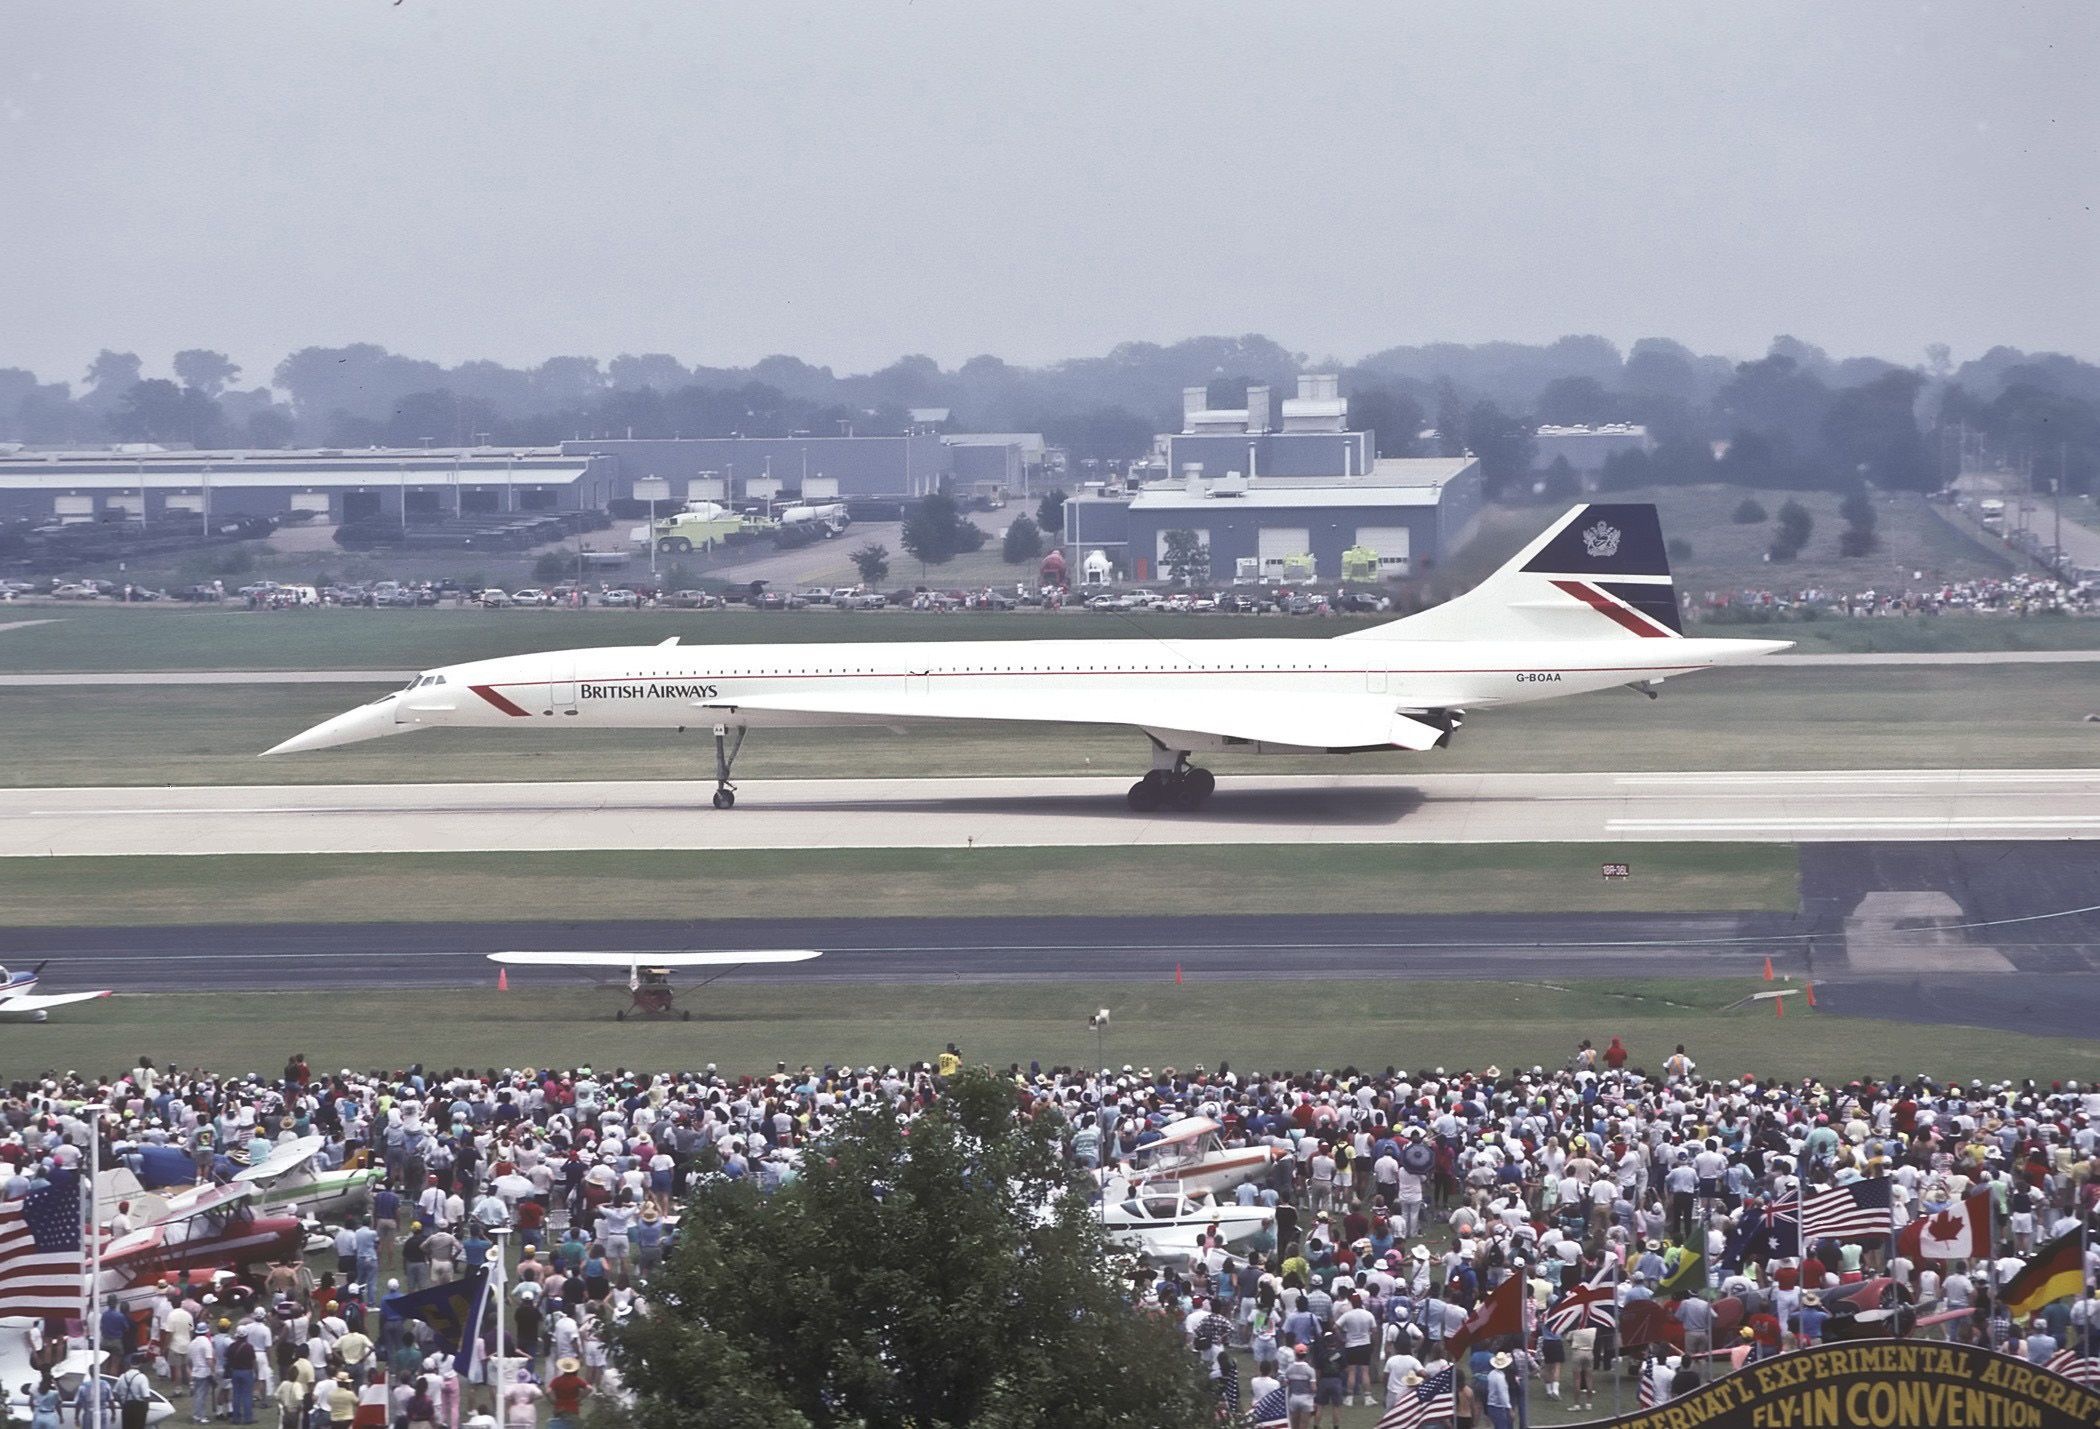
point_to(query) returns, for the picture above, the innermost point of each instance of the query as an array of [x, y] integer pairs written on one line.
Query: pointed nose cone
[[351, 727]]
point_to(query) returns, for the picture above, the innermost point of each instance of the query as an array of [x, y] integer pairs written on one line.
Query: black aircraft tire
[[1144, 796]]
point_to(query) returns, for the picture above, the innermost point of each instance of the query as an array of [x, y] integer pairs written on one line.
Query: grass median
[[101, 637], [877, 883], [750, 1027]]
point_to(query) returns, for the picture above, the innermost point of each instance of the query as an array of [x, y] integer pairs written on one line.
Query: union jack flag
[[2081, 1369], [40, 1240], [1589, 1303], [1434, 1398]]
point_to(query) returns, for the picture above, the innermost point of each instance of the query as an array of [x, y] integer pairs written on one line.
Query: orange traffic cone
[[503, 979], [1779, 1006], [1768, 969], [1177, 974], [1808, 990]]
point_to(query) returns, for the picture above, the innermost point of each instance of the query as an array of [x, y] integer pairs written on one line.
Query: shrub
[[1751, 513]]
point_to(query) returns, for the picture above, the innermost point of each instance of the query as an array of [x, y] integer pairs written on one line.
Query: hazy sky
[[850, 182]]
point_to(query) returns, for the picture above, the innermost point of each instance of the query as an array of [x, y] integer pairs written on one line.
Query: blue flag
[[453, 1310]]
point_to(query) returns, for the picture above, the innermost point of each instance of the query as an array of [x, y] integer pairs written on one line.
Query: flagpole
[[498, 1299], [92, 1290], [1990, 1262]]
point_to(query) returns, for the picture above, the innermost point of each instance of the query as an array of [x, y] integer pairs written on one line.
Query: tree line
[[1793, 418]]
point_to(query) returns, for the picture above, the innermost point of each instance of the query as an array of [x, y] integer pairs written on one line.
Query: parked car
[[75, 590], [620, 599], [531, 595], [496, 599]]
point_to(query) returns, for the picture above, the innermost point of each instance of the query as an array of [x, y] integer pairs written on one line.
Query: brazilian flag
[[453, 1310], [1687, 1277]]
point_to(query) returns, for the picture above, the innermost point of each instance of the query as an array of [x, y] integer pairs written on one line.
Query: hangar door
[[73, 508], [314, 501], [1391, 544], [1277, 544]]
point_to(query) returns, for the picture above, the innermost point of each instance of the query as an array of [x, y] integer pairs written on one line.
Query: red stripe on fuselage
[[488, 692], [1625, 615]]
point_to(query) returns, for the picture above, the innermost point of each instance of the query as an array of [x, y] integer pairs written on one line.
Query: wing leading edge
[[654, 959], [1312, 721]]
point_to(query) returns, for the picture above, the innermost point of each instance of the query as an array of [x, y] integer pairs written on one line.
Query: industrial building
[[1586, 448], [1401, 518], [1276, 492], [154, 485], [1306, 435]]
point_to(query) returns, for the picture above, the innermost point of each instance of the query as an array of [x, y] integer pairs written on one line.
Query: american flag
[[1434, 1398], [1648, 1395], [1862, 1208], [1589, 1303], [1271, 1411], [40, 1263], [2074, 1366]]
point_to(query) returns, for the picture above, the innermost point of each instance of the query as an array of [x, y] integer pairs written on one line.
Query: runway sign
[[1881, 1384], [1618, 870]]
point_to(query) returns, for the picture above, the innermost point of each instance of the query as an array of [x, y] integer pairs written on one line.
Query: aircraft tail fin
[[1598, 572]]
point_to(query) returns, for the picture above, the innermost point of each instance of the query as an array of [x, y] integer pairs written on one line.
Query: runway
[[61, 679], [1608, 808]]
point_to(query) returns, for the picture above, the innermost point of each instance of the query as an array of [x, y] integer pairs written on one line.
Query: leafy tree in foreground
[[905, 1281], [938, 532], [1024, 541], [873, 562], [1794, 526]]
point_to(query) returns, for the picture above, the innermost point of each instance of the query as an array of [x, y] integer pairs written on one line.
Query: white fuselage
[[683, 686]]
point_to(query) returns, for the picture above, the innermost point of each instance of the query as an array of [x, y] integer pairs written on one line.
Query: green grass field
[[1896, 717], [748, 1027], [102, 637], [878, 883]]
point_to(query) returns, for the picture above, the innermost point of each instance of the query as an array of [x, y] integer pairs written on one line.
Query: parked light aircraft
[[19, 997], [1586, 606], [649, 974]]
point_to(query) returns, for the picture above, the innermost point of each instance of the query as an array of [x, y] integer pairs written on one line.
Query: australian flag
[[453, 1310]]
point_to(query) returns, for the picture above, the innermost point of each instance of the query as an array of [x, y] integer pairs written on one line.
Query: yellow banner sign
[[1881, 1384]]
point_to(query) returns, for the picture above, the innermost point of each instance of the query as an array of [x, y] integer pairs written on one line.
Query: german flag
[[2057, 1270]]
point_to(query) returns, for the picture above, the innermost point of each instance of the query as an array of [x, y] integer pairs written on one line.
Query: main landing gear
[[725, 755], [1180, 786]]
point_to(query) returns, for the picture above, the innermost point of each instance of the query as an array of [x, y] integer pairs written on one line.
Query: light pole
[[92, 1290]]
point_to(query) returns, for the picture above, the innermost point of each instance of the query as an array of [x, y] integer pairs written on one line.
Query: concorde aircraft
[[1588, 605]]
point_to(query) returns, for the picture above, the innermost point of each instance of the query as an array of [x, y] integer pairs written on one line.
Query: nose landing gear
[[725, 756]]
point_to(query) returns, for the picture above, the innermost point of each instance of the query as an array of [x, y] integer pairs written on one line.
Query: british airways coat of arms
[[1601, 541]]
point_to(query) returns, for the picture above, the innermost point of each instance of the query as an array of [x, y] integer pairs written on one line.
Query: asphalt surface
[[63, 679], [297, 956], [1771, 806], [2037, 904]]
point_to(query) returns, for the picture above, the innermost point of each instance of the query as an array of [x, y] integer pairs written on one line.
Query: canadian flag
[[1961, 1231]]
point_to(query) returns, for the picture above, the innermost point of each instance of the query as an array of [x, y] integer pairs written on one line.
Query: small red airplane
[[212, 1228]]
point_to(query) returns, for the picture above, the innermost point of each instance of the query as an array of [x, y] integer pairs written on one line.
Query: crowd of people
[[1668, 1187], [2016, 596], [1416, 1195]]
